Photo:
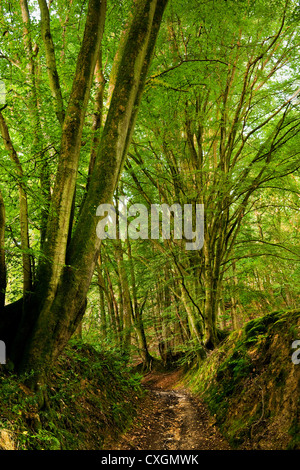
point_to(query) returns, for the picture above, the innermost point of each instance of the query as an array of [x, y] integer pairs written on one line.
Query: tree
[[229, 127], [37, 327], [218, 125]]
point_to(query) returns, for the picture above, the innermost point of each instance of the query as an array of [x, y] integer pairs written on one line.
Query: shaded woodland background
[[159, 102], [217, 124]]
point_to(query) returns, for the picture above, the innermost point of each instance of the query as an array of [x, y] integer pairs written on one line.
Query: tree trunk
[[234, 299], [137, 312], [115, 316], [142, 341], [125, 300], [102, 292], [25, 245], [211, 286], [2, 254]]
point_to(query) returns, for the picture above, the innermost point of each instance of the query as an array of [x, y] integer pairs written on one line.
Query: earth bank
[[245, 395], [251, 385]]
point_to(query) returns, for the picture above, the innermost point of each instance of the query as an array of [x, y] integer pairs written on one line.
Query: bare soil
[[170, 418]]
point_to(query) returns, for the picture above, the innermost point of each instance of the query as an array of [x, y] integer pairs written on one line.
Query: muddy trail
[[170, 418]]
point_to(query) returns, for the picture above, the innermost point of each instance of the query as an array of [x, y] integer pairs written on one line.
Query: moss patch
[[251, 385]]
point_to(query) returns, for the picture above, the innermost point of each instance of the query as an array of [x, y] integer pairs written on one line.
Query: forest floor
[[170, 418]]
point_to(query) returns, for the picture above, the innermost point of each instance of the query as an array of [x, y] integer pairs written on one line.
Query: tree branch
[[51, 61]]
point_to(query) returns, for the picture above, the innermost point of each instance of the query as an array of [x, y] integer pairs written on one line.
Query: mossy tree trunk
[[137, 313]]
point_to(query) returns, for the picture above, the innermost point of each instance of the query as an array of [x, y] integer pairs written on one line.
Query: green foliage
[[215, 126], [91, 397]]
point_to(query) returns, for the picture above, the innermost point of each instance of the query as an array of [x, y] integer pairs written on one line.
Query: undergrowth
[[247, 379], [91, 396]]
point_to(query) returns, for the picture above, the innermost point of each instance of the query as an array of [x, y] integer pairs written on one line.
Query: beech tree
[[229, 89], [37, 327]]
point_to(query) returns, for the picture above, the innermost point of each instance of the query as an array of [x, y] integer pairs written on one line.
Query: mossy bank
[[252, 386], [91, 397]]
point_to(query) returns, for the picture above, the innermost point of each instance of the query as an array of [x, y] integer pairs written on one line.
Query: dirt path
[[171, 419]]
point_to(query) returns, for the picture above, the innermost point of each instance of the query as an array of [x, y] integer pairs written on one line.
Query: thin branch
[[182, 62]]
